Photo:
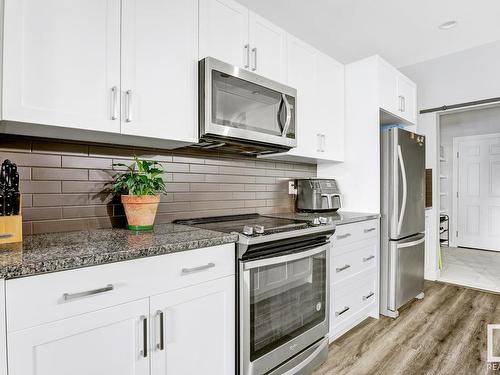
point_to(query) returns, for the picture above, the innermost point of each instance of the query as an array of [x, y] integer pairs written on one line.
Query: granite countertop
[[44, 253], [338, 218]]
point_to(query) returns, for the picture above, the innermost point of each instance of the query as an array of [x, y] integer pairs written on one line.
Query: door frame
[[455, 183]]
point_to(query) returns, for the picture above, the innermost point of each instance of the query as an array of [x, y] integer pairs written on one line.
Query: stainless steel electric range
[[283, 291]]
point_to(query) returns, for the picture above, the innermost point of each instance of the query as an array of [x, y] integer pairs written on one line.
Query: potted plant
[[140, 187]]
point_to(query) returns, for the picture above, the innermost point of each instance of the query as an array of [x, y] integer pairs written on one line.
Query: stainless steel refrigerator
[[403, 219]]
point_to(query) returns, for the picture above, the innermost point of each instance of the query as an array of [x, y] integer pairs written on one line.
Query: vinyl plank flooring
[[445, 333]]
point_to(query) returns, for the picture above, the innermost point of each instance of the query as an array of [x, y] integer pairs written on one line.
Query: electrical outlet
[[291, 188]]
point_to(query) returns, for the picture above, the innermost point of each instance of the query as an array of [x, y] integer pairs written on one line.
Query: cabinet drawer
[[40, 299], [348, 233], [354, 258], [352, 296]]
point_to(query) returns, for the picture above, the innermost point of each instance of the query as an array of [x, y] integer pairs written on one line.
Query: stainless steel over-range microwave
[[240, 108]]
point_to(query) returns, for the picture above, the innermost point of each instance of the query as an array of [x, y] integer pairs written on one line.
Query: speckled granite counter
[[45, 253], [338, 218]]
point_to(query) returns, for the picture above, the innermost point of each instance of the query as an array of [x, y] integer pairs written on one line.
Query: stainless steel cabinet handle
[[403, 99], [144, 351], [254, 51], [128, 103], [246, 50], [197, 269], [342, 236], [6, 235], [400, 98], [369, 230], [323, 142], [161, 344], [345, 309], [318, 138], [368, 258], [114, 103], [343, 268], [71, 296], [369, 295]]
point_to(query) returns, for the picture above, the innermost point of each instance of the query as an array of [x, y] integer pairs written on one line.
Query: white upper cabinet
[[398, 94], [267, 49], [330, 107], [109, 341], [224, 32], [62, 63], [159, 69], [231, 33], [194, 330]]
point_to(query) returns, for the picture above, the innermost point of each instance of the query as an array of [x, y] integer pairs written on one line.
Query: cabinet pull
[[71, 296], [6, 235], [345, 309], [246, 50], [186, 271], [161, 344], [369, 295], [318, 138], [368, 258], [323, 142], [343, 268], [254, 51], [114, 103], [369, 230], [403, 104], [128, 103], [144, 351], [341, 237]]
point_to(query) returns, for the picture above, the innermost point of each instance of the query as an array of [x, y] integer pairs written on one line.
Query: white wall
[[462, 124], [465, 76]]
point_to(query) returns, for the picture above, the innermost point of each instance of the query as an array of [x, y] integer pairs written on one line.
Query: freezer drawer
[[406, 270]]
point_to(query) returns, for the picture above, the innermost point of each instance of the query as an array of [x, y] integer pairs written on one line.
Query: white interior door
[[105, 342], [62, 63], [477, 216], [159, 69]]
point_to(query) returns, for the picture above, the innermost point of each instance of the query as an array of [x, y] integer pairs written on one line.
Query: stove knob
[[323, 220], [259, 229], [248, 230], [316, 221]]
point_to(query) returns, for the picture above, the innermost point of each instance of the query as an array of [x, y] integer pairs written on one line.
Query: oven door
[[240, 105], [284, 307]]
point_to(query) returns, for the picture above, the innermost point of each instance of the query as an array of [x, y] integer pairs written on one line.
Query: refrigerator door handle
[[410, 244], [405, 189]]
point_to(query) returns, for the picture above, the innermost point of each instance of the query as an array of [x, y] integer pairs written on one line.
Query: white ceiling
[[402, 31]]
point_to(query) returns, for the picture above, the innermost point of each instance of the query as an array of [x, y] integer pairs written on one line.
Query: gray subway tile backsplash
[[64, 184]]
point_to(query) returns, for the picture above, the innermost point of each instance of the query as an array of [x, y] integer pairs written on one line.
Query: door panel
[[224, 31], [478, 202], [106, 342], [268, 49], [199, 330], [160, 53], [61, 62], [406, 270]]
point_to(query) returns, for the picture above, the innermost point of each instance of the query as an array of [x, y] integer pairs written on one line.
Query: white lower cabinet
[[354, 280], [105, 342], [191, 330], [177, 318]]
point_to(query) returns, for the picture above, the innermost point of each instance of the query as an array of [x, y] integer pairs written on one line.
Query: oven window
[[244, 105], [286, 300]]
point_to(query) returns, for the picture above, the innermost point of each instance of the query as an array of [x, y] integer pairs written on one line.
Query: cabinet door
[[224, 32], [268, 49], [388, 84], [330, 107], [407, 94], [62, 63], [159, 62], [302, 75], [198, 330], [105, 342]]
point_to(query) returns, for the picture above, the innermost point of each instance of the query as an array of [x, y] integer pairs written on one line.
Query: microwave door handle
[[288, 115]]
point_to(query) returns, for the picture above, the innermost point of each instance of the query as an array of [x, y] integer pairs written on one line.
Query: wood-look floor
[[443, 334]]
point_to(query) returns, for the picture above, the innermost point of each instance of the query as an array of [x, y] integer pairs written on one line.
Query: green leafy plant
[[143, 177]]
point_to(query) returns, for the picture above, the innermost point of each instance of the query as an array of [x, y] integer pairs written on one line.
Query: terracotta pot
[[140, 210]]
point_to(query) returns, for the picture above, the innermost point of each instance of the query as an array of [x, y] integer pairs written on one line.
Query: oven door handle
[[308, 360], [285, 258]]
